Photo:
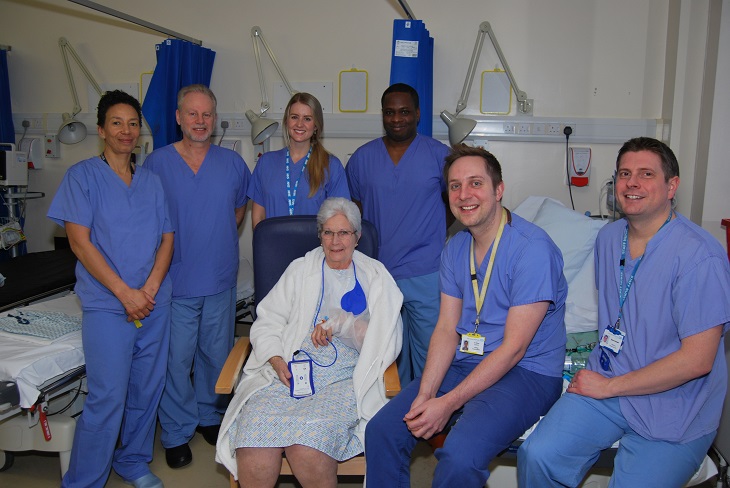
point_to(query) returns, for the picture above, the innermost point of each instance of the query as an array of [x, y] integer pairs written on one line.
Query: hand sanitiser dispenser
[[579, 166], [13, 166]]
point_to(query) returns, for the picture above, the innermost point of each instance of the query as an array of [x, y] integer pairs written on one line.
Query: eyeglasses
[[342, 234]]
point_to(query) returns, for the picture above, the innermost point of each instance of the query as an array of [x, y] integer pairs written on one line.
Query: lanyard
[[292, 196], [480, 295], [131, 162], [625, 293]]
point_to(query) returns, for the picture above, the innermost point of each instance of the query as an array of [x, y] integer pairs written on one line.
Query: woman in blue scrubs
[[296, 179], [117, 222]]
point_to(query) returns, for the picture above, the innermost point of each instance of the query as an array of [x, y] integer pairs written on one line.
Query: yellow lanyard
[[479, 295]]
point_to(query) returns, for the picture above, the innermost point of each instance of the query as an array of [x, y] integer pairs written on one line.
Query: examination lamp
[[460, 128], [72, 130], [262, 129]]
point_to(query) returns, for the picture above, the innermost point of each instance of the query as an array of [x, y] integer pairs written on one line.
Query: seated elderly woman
[[334, 313]]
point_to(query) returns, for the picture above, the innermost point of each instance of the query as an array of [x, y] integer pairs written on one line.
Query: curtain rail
[[135, 20]]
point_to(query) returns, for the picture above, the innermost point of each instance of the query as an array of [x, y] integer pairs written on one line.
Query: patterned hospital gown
[[324, 421]]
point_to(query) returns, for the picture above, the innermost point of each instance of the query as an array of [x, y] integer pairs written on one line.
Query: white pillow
[[573, 232], [581, 305]]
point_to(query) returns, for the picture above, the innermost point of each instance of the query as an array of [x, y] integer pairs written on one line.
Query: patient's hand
[[279, 365], [321, 336]]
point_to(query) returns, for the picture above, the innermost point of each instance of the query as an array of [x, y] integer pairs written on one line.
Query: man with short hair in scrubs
[[206, 187], [397, 181], [657, 380]]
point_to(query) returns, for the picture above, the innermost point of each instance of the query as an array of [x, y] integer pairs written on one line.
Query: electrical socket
[[524, 128], [509, 128], [572, 127], [36, 123], [554, 130], [238, 124]]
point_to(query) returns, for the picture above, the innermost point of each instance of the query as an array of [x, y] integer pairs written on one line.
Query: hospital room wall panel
[[576, 58]]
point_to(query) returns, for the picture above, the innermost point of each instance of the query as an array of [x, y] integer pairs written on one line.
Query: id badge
[[613, 339], [301, 384], [472, 343]]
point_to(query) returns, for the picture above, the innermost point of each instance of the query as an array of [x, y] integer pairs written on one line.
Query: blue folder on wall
[[412, 63]]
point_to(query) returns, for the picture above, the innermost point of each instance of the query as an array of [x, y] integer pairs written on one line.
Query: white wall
[[717, 203], [576, 58]]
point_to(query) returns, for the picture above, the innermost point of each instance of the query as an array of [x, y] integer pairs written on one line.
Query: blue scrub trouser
[[569, 439], [201, 334], [485, 426], [125, 372], [420, 312]]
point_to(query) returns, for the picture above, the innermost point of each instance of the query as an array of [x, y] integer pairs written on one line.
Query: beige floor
[[40, 470]]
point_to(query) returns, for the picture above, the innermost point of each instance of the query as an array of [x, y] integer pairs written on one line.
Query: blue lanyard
[[314, 322], [625, 293], [292, 196]]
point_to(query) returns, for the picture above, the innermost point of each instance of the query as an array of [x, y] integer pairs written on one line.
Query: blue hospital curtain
[[7, 130], [179, 63], [412, 63]]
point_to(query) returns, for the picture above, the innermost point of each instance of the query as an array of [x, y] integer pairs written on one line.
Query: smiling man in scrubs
[[657, 381], [397, 181], [206, 189]]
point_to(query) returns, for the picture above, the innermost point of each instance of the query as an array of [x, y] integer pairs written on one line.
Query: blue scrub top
[[404, 203], [126, 225], [268, 185], [528, 268], [680, 289], [202, 209]]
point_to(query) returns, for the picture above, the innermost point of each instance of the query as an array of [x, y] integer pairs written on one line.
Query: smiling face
[[641, 187], [300, 123], [473, 199], [400, 117], [338, 250], [196, 117], [121, 129]]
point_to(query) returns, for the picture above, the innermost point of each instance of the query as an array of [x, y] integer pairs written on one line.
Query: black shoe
[[210, 433], [178, 456]]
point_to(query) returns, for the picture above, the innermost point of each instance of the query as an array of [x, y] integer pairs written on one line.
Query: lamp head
[[261, 129], [459, 129], [71, 130]]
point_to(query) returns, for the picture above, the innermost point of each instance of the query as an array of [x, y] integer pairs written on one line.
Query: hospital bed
[[34, 276], [575, 235], [36, 372]]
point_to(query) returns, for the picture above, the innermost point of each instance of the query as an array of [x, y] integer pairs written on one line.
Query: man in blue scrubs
[[398, 182], [657, 381], [205, 187], [496, 356]]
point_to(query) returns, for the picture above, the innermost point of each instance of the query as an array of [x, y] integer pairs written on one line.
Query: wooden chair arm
[[392, 380], [232, 367]]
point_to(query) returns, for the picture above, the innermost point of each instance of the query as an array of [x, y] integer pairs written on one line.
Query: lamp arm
[[485, 29], [256, 33], [66, 49]]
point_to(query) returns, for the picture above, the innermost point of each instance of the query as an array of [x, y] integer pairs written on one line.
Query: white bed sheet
[[30, 364]]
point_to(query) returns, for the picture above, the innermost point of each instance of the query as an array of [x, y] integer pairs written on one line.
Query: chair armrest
[[232, 367], [392, 380]]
